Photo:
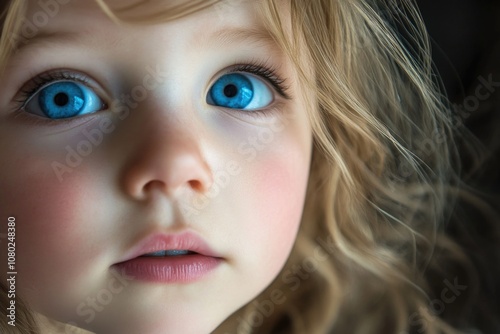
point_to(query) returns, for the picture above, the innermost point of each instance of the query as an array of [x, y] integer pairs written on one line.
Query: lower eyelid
[[37, 121], [259, 116]]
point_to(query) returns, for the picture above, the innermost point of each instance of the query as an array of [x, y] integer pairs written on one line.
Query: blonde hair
[[383, 175], [372, 190]]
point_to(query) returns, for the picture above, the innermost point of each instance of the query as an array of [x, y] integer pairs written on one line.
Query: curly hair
[[384, 179]]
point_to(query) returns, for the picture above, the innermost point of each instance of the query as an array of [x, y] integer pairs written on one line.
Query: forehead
[[59, 14], [227, 20]]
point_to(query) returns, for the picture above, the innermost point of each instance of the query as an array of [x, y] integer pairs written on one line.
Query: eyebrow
[[43, 35], [226, 36], [46, 37], [220, 38]]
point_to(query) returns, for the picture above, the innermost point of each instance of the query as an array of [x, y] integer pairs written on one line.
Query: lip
[[173, 269]]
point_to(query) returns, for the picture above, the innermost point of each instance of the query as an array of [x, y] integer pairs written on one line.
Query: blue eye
[[64, 99], [240, 91]]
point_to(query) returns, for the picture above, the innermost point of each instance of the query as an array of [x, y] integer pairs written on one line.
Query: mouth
[[170, 258]]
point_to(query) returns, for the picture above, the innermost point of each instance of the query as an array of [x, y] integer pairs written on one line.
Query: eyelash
[[42, 80], [268, 73]]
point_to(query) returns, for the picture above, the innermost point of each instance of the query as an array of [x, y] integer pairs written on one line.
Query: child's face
[[176, 155]]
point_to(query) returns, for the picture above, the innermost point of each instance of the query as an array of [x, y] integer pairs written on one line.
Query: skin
[[158, 170]]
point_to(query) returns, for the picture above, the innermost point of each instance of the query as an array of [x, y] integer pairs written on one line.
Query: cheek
[[51, 232], [280, 192], [284, 197], [278, 198]]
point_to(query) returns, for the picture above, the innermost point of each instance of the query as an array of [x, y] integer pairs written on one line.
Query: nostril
[[196, 185], [154, 184]]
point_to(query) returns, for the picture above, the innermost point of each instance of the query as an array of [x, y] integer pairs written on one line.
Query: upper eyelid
[[37, 89], [278, 83], [37, 82]]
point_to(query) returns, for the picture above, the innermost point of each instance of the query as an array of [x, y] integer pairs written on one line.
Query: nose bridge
[[165, 153]]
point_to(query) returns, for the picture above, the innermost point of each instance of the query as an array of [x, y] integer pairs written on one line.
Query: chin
[[193, 324]]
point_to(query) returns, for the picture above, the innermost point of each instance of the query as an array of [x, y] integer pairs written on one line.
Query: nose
[[167, 157]]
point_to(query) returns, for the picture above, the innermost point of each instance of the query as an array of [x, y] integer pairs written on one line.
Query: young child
[[228, 166]]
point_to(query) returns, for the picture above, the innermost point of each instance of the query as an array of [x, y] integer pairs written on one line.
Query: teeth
[[176, 252], [173, 252], [159, 253]]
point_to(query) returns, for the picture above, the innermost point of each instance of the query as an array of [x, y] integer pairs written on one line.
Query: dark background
[[465, 37], [466, 47]]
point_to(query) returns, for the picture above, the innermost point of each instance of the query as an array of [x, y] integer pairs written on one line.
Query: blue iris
[[65, 99], [240, 91], [232, 91]]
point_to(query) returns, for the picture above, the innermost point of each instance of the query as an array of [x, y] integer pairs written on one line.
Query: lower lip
[[174, 269]]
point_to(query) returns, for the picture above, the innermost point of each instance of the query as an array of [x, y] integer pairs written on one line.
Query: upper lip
[[161, 241]]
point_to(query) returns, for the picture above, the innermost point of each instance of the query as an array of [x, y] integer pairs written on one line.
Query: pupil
[[230, 90], [61, 99]]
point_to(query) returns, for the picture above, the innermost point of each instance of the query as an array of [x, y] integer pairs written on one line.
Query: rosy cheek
[[49, 236], [279, 191]]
